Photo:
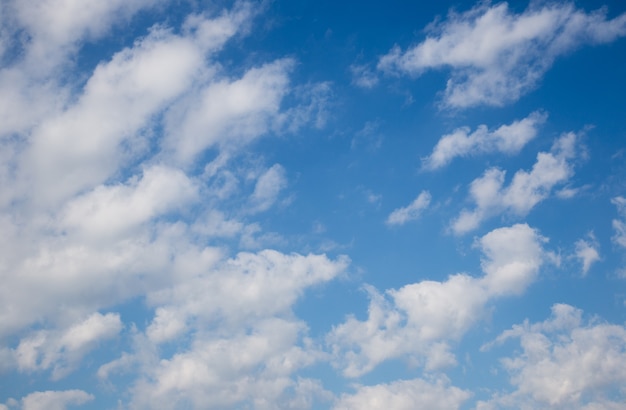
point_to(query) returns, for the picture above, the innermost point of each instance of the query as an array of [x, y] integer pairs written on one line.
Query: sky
[[312, 204]]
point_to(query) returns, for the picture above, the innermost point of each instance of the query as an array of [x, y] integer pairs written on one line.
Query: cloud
[[403, 395], [55, 400], [495, 55], [411, 212], [217, 372], [619, 225], [363, 76], [63, 350], [227, 113], [587, 252], [245, 341], [89, 141], [419, 320], [56, 25], [112, 210], [563, 363], [267, 188], [508, 139], [526, 189]]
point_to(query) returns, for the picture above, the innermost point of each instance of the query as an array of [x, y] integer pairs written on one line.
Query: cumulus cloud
[[227, 112], [246, 342], [495, 55], [105, 202], [63, 350], [55, 400], [403, 395], [508, 139], [526, 189], [410, 212], [564, 363], [419, 320], [587, 252]]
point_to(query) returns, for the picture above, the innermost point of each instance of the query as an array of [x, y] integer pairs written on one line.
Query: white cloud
[[252, 367], [63, 350], [495, 55], [363, 76], [564, 364], [508, 139], [244, 289], [111, 210], [267, 188], [87, 143], [411, 212], [405, 395], [619, 225], [55, 400], [246, 342], [525, 190], [419, 320], [587, 252], [227, 113]]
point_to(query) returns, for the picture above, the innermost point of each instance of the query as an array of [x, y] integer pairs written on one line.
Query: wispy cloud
[[495, 55], [410, 212]]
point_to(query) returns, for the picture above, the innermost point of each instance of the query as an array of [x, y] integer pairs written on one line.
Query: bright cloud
[[403, 395], [496, 55], [410, 212], [55, 400], [587, 252], [62, 351], [179, 182], [508, 139], [420, 319], [526, 189], [564, 363]]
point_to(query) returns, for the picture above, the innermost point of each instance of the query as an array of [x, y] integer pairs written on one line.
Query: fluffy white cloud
[[508, 139], [89, 141], [228, 113], [587, 252], [63, 350], [112, 210], [55, 400], [411, 212], [420, 319], [404, 395], [564, 364], [251, 367], [240, 291], [246, 344], [495, 55], [526, 189]]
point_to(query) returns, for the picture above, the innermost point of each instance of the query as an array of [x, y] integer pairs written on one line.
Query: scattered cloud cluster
[[419, 320], [526, 189], [507, 139], [133, 178], [564, 363], [495, 55]]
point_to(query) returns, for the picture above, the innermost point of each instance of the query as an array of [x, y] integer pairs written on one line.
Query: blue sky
[[312, 205]]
